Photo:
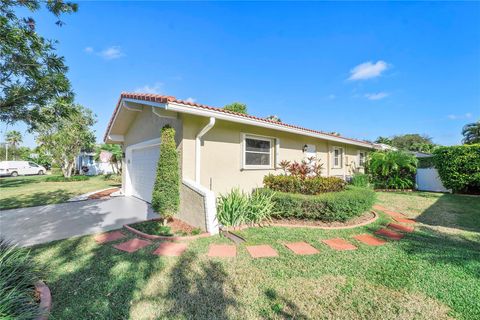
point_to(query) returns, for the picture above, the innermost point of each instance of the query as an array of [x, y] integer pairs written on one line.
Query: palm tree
[[14, 138], [471, 133]]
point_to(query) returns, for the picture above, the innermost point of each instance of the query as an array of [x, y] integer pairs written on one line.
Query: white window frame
[[361, 165], [271, 140], [340, 165]]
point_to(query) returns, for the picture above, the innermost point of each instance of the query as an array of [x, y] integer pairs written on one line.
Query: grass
[[29, 191], [433, 273], [154, 228]]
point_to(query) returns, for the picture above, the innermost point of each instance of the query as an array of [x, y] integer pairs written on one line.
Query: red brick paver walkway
[[401, 227], [339, 244], [222, 250], [301, 248], [262, 251], [132, 245], [170, 249], [404, 220], [389, 234], [370, 240], [108, 237]]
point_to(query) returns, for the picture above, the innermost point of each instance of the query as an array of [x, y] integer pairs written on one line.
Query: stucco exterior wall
[[221, 154], [192, 207]]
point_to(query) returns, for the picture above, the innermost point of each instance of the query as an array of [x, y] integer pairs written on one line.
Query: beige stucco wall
[[192, 207], [221, 158]]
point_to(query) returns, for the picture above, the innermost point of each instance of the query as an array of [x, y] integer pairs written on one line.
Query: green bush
[[311, 185], [63, 179], [360, 180], [392, 169], [166, 190], [116, 178], [333, 206], [18, 275], [459, 167], [260, 207]]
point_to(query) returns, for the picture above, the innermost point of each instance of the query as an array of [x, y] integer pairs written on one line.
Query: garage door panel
[[143, 170]]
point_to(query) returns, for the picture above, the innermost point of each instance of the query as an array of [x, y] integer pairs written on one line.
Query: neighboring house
[[219, 150], [85, 163]]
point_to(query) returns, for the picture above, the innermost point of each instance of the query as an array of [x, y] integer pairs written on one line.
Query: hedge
[[459, 167], [311, 185], [63, 179], [333, 206]]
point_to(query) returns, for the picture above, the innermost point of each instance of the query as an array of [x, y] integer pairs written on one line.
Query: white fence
[[428, 180]]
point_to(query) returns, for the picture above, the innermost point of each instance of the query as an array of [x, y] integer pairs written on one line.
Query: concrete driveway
[[34, 225]]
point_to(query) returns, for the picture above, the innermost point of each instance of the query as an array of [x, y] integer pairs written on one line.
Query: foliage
[[384, 140], [459, 167], [311, 185], [471, 133], [66, 179], [361, 180], [274, 118], [310, 167], [425, 162], [117, 178], [32, 75], [334, 206], [413, 142], [166, 191], [153, 227], [392, 169], [116, 158], [67, 137], [41, 156], [237, 107], [18, 275], [237, 207]]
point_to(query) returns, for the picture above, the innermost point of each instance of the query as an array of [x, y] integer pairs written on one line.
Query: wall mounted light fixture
[[304, 149]]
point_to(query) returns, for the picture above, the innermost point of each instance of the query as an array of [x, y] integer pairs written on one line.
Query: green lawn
[[433, 273], [29, 191]]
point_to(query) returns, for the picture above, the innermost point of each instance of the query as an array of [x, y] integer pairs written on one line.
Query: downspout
[[198, 138]]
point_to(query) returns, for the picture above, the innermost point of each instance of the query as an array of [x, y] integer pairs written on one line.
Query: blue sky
[[360, 69]]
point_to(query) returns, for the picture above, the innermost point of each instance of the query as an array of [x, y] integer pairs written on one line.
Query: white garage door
[[143, 169]]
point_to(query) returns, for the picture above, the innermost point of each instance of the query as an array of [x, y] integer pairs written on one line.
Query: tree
[[471, 133], [237, 107], [13, 138], [116, 158], [274, 118], [384, 140], [413, 142], [166, 190], [392, 169], [67, 137], [31, 73]]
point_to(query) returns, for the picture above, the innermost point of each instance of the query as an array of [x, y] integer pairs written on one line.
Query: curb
[[168, 238], [45, 300]]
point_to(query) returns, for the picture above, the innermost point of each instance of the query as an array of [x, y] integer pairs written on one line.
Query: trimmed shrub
[[63, 179], [18, 275], [294, 184], [333, 206], [360, 180], [166, 190], [392, 169], [459, 167]]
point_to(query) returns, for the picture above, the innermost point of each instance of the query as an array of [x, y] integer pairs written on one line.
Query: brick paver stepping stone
[[391, 213], [404, 220], [339, 244], [132, 245], [389, 234], [222, 250], [262, 251], [301, 248], [370, 240], [108, 237], [170, 249], [401, 227]]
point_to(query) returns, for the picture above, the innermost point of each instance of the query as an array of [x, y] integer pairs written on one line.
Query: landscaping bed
[[155, 229], [364, 219]]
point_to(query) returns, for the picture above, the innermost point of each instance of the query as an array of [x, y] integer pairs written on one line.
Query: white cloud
[[376, 96], [157, 88], [111, 53], [88, 50], [368, 70], [467, 115], [190, 99]]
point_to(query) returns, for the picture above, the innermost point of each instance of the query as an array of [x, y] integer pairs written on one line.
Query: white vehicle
[[15, 168]]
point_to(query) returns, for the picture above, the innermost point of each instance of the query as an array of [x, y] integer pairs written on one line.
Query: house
[[85, 163], [219, 150]]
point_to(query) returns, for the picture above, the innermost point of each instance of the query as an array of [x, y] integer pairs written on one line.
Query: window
[[257, 152], [337, 157], [361, 158], [31, 164]]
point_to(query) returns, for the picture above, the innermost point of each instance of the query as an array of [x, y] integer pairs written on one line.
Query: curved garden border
[[45, 300], [168, 238], [288, 225]]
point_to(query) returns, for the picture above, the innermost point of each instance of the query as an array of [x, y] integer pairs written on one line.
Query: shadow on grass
[[282, 307], [35, 199], [197, 290], [10, 182]]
